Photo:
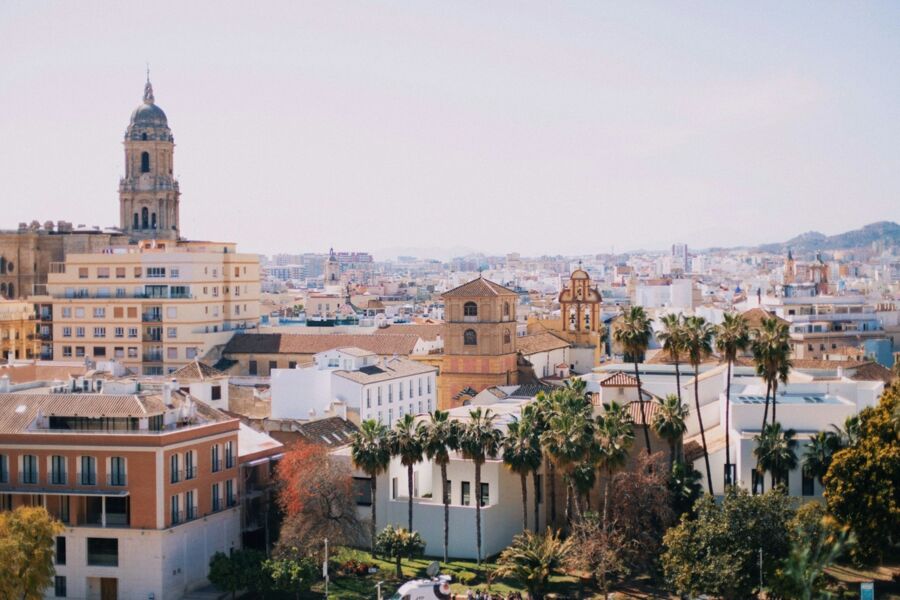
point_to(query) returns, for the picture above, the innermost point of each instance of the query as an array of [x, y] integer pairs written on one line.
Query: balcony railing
[[58, 478], [152, 357], [29, 477], [191, 513], [88, 479], [151, 317], [229, 461], [178, 516], [190, 472], [217, 465], [229, 502], [116, 479]]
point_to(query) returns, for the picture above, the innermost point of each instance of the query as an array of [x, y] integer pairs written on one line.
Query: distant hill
[[888, 231]]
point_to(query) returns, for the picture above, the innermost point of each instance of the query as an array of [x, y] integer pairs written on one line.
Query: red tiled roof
[[301, 343], [619, 379], [755, 316], [427, 331], [540, 342], [650, 409], [479, 288]]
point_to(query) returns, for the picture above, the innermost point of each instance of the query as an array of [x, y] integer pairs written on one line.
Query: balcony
[[58, 478], [116, 479], [151, 317], [190, 472], [152, 357], [28, 477], [217, 465]]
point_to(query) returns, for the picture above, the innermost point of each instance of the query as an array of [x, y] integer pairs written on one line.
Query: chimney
[[4, 384]]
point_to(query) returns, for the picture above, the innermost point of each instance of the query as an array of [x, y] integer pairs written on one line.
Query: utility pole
[[325, 568]]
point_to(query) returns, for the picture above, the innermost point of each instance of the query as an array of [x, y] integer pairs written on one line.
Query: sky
[[436, 127]]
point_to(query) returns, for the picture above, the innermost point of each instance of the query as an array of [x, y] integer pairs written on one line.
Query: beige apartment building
[[154, 307]]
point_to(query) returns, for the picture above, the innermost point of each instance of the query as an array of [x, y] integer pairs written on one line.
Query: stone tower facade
[[332, 274], [580, 308], [479, 340], [148, 194]]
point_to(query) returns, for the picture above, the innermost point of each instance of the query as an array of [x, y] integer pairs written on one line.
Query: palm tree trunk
[[727, 435], [551, 470], [537, 494], [761, 474], [700, 423], [372, 522], [774, 400], [678, 380], [409, 489], [399, 571], [766, 411], [446, 501], [523, 477], [671, 454], [576, 503], [645, 425], [478, 511], [568, 501], [606, 495]]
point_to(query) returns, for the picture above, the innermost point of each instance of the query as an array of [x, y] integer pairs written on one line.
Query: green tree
[[672, 339], [685, 488], [669, 422], [718, 552], [615, 434], [405, 441], [522, 455], [771, 347], [439, 437], [817, 455], [291, 575], [567, 440], [698, 336], [241, 570], [370, 453], [399, 544], [532, 558], [27, 544], [479, 440], [732, 337], [862, 485], [776, 452], [633, 333]]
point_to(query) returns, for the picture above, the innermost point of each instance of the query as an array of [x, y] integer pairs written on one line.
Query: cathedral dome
[[148, 114]]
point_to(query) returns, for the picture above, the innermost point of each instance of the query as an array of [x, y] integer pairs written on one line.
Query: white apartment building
[[153, 307], [358, 381]]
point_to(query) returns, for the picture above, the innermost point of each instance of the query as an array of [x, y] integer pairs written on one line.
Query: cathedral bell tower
[[148, 194]]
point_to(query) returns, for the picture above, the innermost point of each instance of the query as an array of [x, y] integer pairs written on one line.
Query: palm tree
[[633, 333], [479, 440], [732, 336], [405, 441], [771, 348], [672, 339], [532, 558], [440, 436], [776, 451], [369, 451], [522, 455], [698, 345], [846, 437], [817, 455], [615, 434], [567, 440], [543, 407], [669, 422]]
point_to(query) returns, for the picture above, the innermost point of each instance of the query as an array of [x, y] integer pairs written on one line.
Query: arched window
[[153, 221], [470, 338], [12, 290], [145, 218], [506, 309], [470, 309], [137, 221], [144, 136], [3, 289], [2, 265], [145, 162], [506, 337]]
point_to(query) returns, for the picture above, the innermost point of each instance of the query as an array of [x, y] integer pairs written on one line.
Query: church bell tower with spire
[[148, 194]]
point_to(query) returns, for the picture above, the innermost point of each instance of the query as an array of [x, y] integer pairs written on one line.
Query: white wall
[[297, 392]]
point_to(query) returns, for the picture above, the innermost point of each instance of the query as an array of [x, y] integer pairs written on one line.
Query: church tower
[[148, 194], [332, 274], [580, 309]]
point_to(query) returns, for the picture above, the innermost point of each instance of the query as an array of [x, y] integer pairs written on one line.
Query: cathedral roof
[[149, 114], [479, 288]]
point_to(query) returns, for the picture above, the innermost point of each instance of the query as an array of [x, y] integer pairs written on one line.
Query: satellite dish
[[433, 569]]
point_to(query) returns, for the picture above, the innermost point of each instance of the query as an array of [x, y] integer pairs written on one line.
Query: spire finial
[[148, 88]]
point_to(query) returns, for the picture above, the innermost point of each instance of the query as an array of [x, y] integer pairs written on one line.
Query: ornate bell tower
[[148, 194]]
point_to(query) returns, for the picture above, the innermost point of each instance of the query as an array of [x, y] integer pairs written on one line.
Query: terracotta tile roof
[[650, 409], [540, 342], [873, 371], [662, 357], [358, 352], [313, 343], [18, 411], [392, 368], [813, 363], [619, 379], [531, 390], [24, 373], [427, 331], [754, 317], [197, 371], [479, 288], [333, 431]]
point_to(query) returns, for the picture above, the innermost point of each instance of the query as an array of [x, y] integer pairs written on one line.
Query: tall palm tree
[[633, 333], [479, 440], [440, 436], [817, 455], [543, 408], [670, 422], [732, 336], [369, 451], [771, 346], [405, 442], [615, 434], [776, 451], [567, 441], [698, 335], [522, 455], [672, 339]]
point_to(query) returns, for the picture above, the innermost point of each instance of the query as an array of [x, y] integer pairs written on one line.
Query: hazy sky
[[546, 127]]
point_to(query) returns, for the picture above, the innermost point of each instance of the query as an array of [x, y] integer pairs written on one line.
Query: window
[[58, 470], [393, 488], [174, 513], [67, 351], [119, 332], [82, 273], [272, 365], [292, 364], [809, 486], [362, 489], [378, 390], [485, 494], [99, 351], [79, 351], [103, 552], [145, 163], [506, 336], [214, 456], [171, 353], [120, 272], [465, 492], [173, 469], [67, 332], [29, 472], [103, 272], [470, 309], [429, 384], [216, 498], [4, 469], [132, 352], [368, 398], [229, 455], [400, 391], [252, 367], [390, 389], [67, 312], [506, 309], [470, 338], [132, 332], [79, 332], [79, 312], [60, 557], [189, 471], [99, 332], [174, 273], [216, 392], [88, 470], [117, 474], [190, 353], [156, 272], [189, 506], [230, 499], [420, 386], [99, 312], [59, 586]]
